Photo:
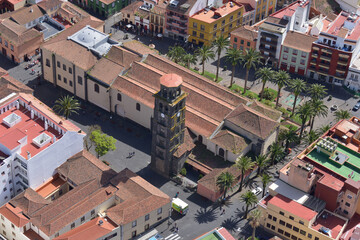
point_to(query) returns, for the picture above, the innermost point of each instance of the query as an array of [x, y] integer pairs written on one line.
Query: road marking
[[173, 236]]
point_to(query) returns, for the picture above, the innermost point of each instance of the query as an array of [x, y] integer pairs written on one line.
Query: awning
[[159, 35], [129, 26]]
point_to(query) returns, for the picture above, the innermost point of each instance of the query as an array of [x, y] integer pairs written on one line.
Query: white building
[[33, 143], [352, 80]]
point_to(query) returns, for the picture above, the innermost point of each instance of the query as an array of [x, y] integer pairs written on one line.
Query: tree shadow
[[206, 215], [231, 224]]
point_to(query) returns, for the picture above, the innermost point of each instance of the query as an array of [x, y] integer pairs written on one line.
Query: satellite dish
[[162, 115], [178, 114]]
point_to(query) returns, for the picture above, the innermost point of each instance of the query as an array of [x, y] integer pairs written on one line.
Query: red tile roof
[[14, 215], [292, 207], [171, 80]]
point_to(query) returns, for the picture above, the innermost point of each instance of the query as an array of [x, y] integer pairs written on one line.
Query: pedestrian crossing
[[173, 236]]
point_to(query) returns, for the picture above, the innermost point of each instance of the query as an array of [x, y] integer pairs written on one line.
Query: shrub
[[284, 111], [268, 95], [200, 176], [267, 102], [251, 95], [183, 172]]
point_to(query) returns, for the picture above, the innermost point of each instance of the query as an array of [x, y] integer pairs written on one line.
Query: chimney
[[32, 114], [101, 222], [28, 155], [46, 125], [17, 104], [31, 10]]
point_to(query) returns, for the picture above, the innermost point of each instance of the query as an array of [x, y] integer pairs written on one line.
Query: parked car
[[257, 190], [334, 107], [356, 107]]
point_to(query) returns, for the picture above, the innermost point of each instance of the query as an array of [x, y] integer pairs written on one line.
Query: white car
[[257, 190]]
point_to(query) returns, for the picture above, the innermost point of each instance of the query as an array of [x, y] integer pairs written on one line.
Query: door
[[292, 69], [301, 71], [4, 51], [283, 66]]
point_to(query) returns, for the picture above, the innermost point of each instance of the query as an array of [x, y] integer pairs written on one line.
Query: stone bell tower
[[168, 125]]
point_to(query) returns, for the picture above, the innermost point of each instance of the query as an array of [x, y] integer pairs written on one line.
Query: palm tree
[[225, 181], [176, 53], [205, 53], [304, 112], [265, 179], [266, 74], [254, 222], [317, 91], [281, 79], [189, 59], [312, 136], [249, 198], [233, 56], [261, 161], [288, 136], [220, 44], [250, 59], [67, 105], [244, 164], [342, 114], [324, 128], [275, 151], [318, 108], [297, 86]]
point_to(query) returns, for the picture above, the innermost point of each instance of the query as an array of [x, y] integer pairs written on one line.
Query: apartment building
[[352, 80], [208, 24], [272, 32], [295, 52], [104, 8], [84, 195], [157, 18], [263, 8], [243, 38], [249, 14], [335, 50]]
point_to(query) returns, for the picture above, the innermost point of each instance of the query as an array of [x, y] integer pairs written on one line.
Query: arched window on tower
[[119, 97], [138, 106], [96, 88]]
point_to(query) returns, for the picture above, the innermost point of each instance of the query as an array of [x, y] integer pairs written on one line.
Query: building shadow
[[6, 63], [152, 177]]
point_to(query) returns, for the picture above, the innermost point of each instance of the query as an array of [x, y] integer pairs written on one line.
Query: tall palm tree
[[249, 198], [312, 136], [233, 56], [281, 79], [189, 59], [318, 108], [244, 164], [297, 86], [261, 161], [324, 128], [275, 151], [225, 181], [288, 136], [251, 59], [67, 105], [254, 222], [220, 44], [266, 74], [342, 114], [304, 112], [205, 53], [176, 53], [317, 91], [265, 179]]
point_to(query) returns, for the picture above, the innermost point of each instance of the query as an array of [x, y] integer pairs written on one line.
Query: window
[[92, 212], [295, 52], [287, 234], [58, 64], [296, 229], [285, 57], [302, 61], [134, 223], [70, 83], [274, 219], [47, 62], [293, 237], [119, 97], [268, 225], [202, 27], [6, 43], [242, 41], [0, 40], [113, 4], [133, 234], [147, 217], [65, 80], [72, 225], [12, 225], [96, 88], [64, 67], [215, 26], [269, 217], [223, 23], [79, 80], [2, 217], [4, 232], [60, 192], [302, 232], [301, 222], [214, 35], [347, 204], [231, 18], [272, 227], [291, 217], [309, 235], [280, 231], [235, 39], [194, 33], [248, 44], [286, 49], [346, 212], [70, 70], [349, 196], [316, 238], [303, 54], [293, 59], [288, 225], [201, 35], [53, 197], [195, 25], [159, 211], [59, 77], [11, 47], [282, 222], [146, 227], [4, 189]]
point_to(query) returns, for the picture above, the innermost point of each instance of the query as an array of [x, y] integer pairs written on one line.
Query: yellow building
[[263, 8], [209, 24]]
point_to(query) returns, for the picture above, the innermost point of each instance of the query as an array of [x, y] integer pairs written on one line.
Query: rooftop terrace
[[328, 221]]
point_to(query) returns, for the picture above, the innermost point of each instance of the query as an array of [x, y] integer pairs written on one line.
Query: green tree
[[288, 136], [265, 180], [266, 74], [342, 114], [87, 142], [103, 143], [317, 91], [220, 44], [249, 198], [189, 59], [250, 59], [233, 56], [281, 79], [254, 221], [225, 181], [318, 108], [243, 163], [176, 53], [67, 105], [323, 129], [275, 151], [261, 161], [304, 112], [297, 86], [312, 136], [205, 53]]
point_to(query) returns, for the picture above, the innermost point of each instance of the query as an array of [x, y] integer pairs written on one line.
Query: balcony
[[324, 65], [326, 50], [325, 57], [343, 63], [315, 47], [271, 50], [272, 42], [323, 71], [178, 18], [315, 54], [265, 34], [345, 56], [341, 71]]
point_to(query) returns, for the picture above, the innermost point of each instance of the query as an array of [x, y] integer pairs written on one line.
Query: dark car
[[356, 107]]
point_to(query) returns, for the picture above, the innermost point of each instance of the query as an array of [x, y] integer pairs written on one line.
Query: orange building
[[243, 38]]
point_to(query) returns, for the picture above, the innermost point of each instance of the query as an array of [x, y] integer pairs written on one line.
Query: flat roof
[[288, 191], [50, 186], [215, 14], [330, 221], [290, 10]]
